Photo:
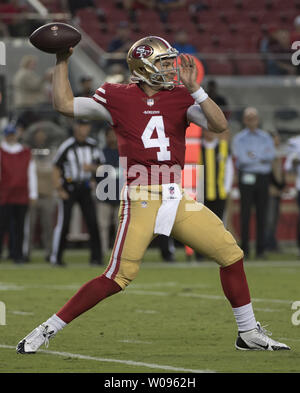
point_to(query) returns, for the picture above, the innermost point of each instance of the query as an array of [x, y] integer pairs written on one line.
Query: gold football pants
[[195, 226]]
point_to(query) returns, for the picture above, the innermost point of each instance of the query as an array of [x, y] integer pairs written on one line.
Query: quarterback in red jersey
[[148, 129], [150, 116]]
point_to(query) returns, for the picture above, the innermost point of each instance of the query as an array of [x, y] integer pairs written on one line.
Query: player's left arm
[[216, 121]]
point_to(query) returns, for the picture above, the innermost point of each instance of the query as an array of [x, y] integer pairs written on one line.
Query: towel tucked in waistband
[[171, 197]]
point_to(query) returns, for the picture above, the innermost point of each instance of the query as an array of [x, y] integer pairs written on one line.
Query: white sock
[[244, 317], [56, 322]]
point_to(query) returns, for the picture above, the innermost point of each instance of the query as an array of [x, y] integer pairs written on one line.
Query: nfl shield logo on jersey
[[150, 101], [172, 192]]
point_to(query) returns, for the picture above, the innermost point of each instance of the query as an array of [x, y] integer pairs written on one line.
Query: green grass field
[[172, 319]]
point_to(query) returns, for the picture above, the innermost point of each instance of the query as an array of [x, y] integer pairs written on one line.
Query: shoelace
[[264, 334], [47, 336], [46, 340], [261, 329]]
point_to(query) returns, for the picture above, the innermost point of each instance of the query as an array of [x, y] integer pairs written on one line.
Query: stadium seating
[[250, 67], [220, 66], [231, 27]]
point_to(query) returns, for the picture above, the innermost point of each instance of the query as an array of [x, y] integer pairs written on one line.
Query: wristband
[[199, 95]]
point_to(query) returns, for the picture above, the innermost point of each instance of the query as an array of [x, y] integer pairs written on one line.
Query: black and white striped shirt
[[72, 155]]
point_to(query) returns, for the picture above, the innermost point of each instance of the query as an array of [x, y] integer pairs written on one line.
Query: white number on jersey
[[156, 122]]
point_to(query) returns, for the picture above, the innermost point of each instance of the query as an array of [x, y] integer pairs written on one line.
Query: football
[[55, 37]]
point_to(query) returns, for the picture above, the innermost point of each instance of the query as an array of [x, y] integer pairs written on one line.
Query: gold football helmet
[[142, 61]]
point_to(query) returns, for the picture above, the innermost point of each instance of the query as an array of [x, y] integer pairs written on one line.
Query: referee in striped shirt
[[75, 165]]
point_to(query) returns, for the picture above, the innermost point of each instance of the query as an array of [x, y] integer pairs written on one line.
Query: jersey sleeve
[[105, 96], [196, 115], [87, 108]]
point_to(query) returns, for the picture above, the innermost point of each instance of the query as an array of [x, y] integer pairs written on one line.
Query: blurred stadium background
[[245, 46]]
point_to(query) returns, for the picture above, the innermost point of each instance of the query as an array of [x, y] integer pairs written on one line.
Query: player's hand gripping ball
[[55, 37]]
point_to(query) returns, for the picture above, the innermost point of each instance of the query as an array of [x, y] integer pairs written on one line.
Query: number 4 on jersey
[[156, 122]]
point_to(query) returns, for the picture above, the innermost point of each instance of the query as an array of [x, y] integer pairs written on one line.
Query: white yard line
[[134, 342], [24, 313], [266, 309], [130, 290], [166, 284], [10, 286], [155, 265], [290, 339], [126, 362], [140, 292], [147, 311], [154, 284], [201, 296]]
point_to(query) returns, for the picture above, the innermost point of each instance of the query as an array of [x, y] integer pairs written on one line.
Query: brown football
[[55, 37]]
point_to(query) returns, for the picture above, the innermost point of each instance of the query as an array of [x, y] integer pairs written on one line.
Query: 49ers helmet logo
[[142, 51]]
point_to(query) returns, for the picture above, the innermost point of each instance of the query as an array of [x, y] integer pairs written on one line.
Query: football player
[[149, 116]]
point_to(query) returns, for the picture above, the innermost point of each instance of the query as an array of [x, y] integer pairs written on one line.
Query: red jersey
[[150, 130], [14, 177]]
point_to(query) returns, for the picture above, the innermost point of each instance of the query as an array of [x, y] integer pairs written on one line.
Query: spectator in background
[[295, 34], [48, 85], [292, 164], [277, 184], [28, 85], [268, 39], [165, 7], [121, 42], [108, 209], [78, 5], [75, 5], [277, 50], [195, 9], [16, 25], [133, 7], [18, 188], [86, 87], [117, 73], [212, 91], [182, 43], [44, 208], [254, 151]]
